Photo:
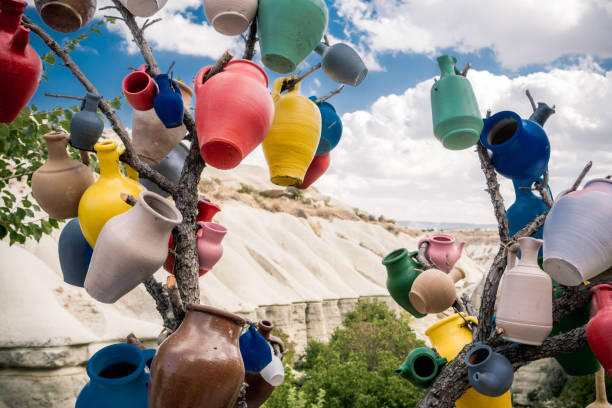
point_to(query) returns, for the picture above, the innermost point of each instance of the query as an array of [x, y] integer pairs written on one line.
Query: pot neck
[[212, 232], [541, 114], [603, 296], [321, 48], [248, 68], [162, 215], [206, 211], [10, 14], [265, 327], [529, 251], [204, 320], [447, 65], [56, 146], [91, 102], [108, 158], [399, 260], [521, 193]]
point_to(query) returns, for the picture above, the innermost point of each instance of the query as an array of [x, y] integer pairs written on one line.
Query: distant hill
[[447, 226]]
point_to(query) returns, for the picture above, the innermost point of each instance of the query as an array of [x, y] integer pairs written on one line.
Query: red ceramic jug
[[20, 65], [140, 89], [317, 168], [599, 328], [233, 113], [206, 212]]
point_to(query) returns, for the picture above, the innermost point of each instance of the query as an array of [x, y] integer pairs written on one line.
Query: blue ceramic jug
[[117, 378], [520, 148], [490, 373], [541, 114], [255, 350], [525, 208], [171, 167], [74, 253], [168, 103], [331, 128], [85, 126]]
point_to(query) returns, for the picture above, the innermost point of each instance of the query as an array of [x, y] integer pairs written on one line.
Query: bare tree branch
[[249, 49], [581, 177], [466, 69], [78, 98], [531, 101], [422, 258], [162, 303], [148, 23], [542, 188], [329, 95], [290, 84]]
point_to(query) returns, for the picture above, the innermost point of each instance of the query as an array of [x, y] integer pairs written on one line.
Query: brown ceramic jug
[[199, 365], [259, 390], [151, 139], [66, 16], [59, 184], [433, 291]]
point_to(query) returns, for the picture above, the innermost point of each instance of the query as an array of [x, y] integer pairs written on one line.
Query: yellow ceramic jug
[[294, 136], [102, 201], [448, 336]]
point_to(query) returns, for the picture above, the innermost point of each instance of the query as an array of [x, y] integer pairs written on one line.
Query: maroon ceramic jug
[[259, 390], [317, 168], [199, 365], [599, 328], [20, 65], [233, 113], [206, 212]]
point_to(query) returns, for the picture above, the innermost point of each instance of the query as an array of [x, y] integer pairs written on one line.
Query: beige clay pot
[[230, 17], [433, 291], [151, 139], [59, 184]]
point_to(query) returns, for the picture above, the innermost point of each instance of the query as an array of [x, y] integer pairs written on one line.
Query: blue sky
[[511, 44]]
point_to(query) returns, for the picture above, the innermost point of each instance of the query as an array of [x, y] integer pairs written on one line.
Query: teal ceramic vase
[[456, 119], [400, 276], [421, 367], [289, 30]]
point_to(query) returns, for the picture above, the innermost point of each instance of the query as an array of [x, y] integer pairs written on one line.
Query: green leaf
[[115, 103], [3, 231], [34, 108], [46, 226], [36, 232], [21, 214]]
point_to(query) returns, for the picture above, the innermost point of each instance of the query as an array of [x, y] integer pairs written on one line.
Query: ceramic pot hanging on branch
[[117, 378], [233, 113], [289, 31], [317, 168], [152, 141], [578, 234], [74, 253], [421, 367], [525, 208], [59, 184], [206, 212], [449, 336], [433, 291], [456, 118], [140, 89], [66, 16], [230, 17], [294, 136], [171, 168], [20, 65], [255, 350], [524, 308], [102, 200], [331, 128], [85, 126], [490, 373], [209, 245], [341, 63], [143, 8], [442, 251], [168, 103], [201, 359], [401, 274], [520, 148], [131, 247], [599, 328]]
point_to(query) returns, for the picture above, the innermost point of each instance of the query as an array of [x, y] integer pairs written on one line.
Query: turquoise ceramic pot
[[331, 128], [289, 30]]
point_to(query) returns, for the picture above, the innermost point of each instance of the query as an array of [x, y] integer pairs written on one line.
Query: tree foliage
[[356, 368]]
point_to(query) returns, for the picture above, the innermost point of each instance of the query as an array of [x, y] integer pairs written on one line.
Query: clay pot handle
[[423, 240]]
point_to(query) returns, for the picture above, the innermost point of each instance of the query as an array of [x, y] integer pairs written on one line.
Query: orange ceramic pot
[[233, 113]]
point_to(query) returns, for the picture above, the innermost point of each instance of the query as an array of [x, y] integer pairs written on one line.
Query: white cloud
[[179, 31], [389, 162], [521, 32]]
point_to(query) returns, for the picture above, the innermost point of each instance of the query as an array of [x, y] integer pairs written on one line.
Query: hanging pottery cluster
[[20, 65], [420, 291]]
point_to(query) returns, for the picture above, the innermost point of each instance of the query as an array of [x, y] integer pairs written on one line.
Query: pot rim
[[489, 125], [597, 180], [149, 195], [217, 312], [474, 350], [443, 238], [449, 319], [394, 256], [121, 380], [213, 226]]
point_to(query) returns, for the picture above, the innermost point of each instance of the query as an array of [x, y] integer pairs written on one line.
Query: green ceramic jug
[[456, 119], [289, 30], [582, 361], [421, 367], [400, 275]]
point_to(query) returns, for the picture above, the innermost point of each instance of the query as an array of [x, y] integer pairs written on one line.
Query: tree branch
[[156, 290], [329, 95], [78, 98], [542, 188], [129, 156], [466, 69], [290, 84], [422, 258], [531, 101], [249, 49]]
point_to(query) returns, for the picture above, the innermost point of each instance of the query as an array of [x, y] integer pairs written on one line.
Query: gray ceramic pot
[[342, 63], [171, 167], [86, 127], [131, 247]]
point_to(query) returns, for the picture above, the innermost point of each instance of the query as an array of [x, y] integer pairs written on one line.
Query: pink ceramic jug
[[442, 251], [210, 249]]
